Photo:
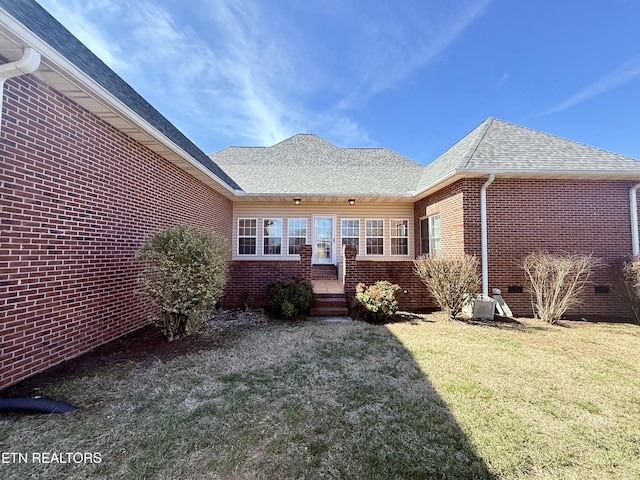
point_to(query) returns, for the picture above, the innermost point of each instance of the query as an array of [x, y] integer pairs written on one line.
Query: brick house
[[89, 170]]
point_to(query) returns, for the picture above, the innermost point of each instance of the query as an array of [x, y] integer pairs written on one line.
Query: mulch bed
[[146, 344]]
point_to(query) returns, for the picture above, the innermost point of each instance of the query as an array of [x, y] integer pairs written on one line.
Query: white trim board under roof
[[69, 67]]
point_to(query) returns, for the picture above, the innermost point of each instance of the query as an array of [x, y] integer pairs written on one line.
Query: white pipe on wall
[[633, 203], [483, 234], [29, 63]]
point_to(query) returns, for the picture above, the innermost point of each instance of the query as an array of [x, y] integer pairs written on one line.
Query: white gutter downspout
[[635, 248], [483, 234], [29, 63]]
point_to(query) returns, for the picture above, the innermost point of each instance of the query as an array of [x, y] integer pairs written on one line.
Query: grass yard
[[427, 398]]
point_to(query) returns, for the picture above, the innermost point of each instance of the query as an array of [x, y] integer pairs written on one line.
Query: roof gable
[[505, 146], [306, 164]]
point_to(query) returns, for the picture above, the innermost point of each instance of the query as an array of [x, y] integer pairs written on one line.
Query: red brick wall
[[449, 203], [577, 216], [416, 298], [77, 199], [248, 279]]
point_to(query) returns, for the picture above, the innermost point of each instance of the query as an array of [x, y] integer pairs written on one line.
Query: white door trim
[[318, 252]]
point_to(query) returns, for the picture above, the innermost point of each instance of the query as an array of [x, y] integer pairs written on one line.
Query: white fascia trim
[[84, 81], [242, 193], [561, 174], [432, 185]]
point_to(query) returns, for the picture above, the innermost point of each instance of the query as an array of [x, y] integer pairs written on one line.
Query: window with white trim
[[272, 236], [434, 235], [247, 236], [374, 236], [399, 237], [350, 232], [296, 234]]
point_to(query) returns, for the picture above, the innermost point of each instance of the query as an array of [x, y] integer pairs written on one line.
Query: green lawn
[[428, 398]]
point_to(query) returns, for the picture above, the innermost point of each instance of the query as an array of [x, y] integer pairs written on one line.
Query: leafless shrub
[[451, 280], [557, 281], [629, 287]]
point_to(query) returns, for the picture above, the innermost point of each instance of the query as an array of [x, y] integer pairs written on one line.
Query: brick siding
[[78, 198], [577, 216], [248, 279], [416, 298]]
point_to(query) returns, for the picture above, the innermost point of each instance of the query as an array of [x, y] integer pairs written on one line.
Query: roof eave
[[458, 174], [72, 74], [319, 197], [557, 174]]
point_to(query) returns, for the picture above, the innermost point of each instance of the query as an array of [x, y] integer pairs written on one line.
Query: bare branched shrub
[[557, 281], [451, 280], [629, 287]]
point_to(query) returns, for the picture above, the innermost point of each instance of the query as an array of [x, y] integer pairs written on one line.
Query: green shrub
[[184, 274], [629, 287], [557, 281], [452, 281], [378, 302], [291, 297]]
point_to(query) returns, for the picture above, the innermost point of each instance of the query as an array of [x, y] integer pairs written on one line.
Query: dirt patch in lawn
[[141, 346]]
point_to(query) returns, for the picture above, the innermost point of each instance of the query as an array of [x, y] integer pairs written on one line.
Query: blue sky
[[414, 76]]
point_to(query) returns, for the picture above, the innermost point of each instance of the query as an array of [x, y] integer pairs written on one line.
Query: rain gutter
[[483, 234], [29, 63], [633, 203]]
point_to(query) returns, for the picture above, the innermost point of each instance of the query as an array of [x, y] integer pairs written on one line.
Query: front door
[[323, 239]]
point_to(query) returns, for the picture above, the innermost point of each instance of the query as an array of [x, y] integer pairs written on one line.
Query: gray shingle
[[506, 146], [307, 164], [499, 146], [455, 158]]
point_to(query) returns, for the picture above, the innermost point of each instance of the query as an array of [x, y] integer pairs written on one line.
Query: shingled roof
[[44, 26], [503, 148], [306, 164]]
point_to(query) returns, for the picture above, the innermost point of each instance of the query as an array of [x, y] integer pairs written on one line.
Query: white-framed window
[[434, 235], [350, 232], [272, 236], [296, 234], [247, 236], [399, 237], [374, 236]]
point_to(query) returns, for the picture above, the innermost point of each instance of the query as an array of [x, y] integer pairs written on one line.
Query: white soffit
[[120, 116]]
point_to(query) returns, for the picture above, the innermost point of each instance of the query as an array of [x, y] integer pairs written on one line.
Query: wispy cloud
[[73, 15], [224, 70], [624, 74], [398, 38], [504, 79]]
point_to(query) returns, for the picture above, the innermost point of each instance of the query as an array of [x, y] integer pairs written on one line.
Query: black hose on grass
[[34, 405]]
